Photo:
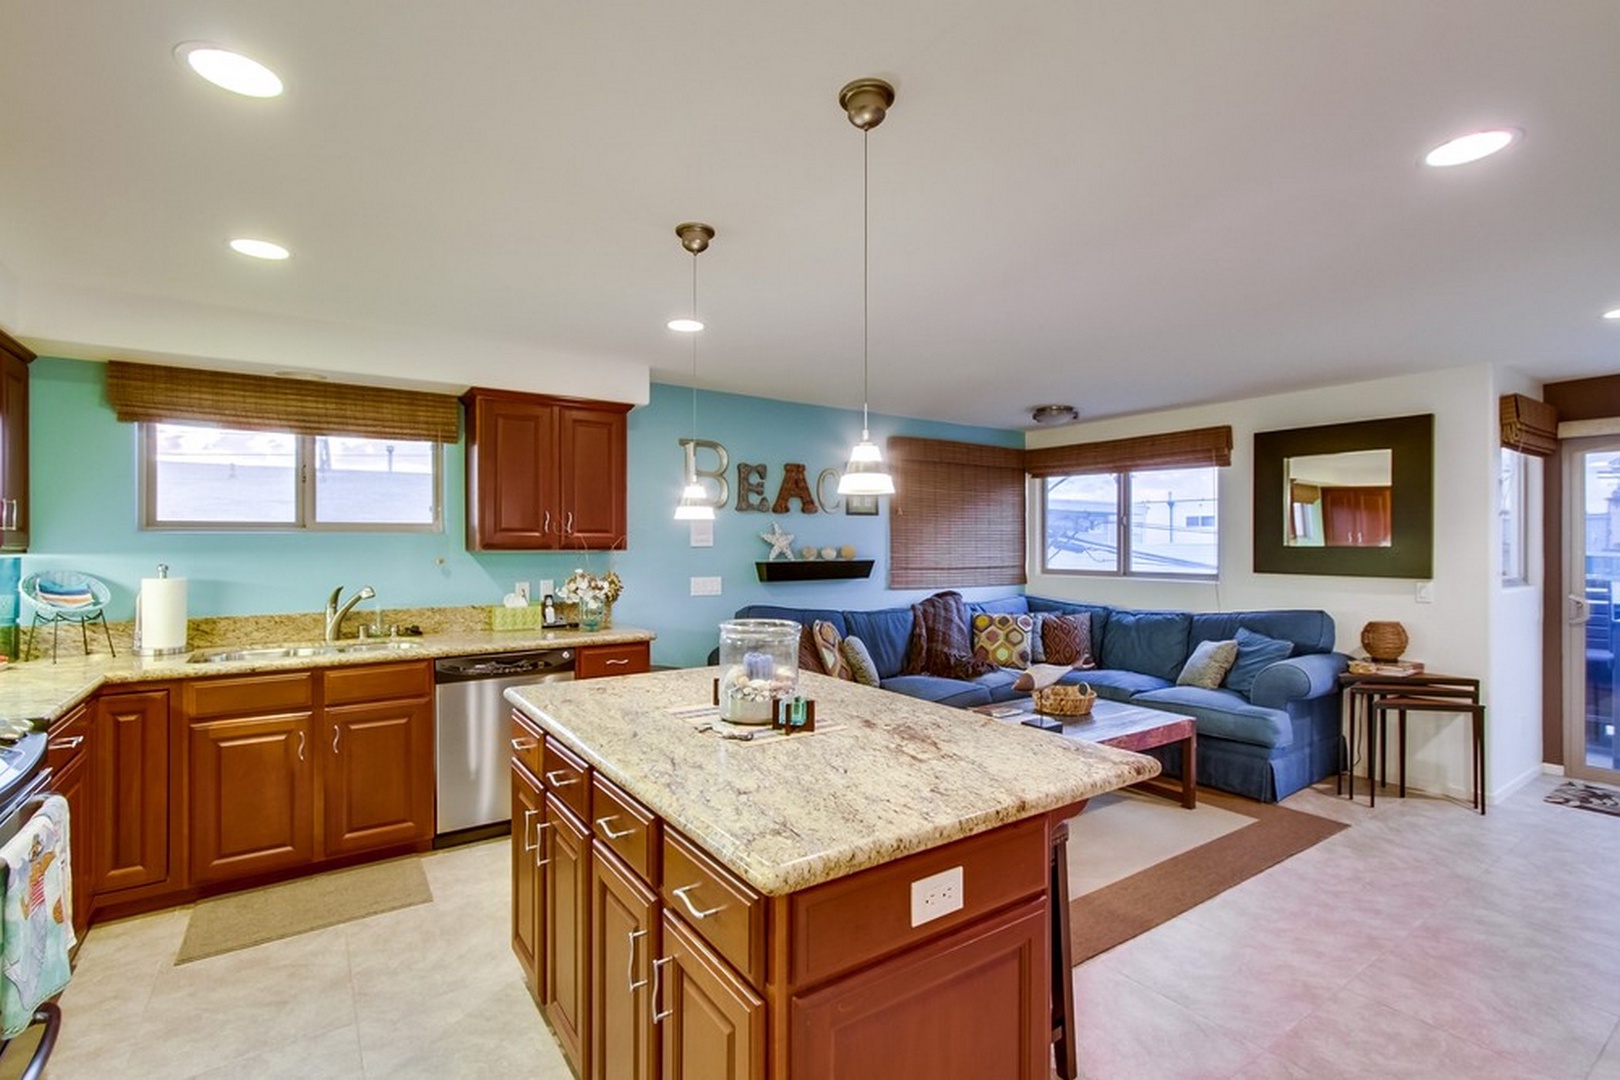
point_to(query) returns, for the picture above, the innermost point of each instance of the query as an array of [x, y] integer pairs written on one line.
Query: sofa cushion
[[1114, 684], [1208, 664], [1150, 642], [958, 692], [999, 683], [1255, 652], [828, 647], [859, 661], [886, 633], [1003, 639], [1310, 631], [1066, 639], [805, 617], [1001, 605], [1223, 714]]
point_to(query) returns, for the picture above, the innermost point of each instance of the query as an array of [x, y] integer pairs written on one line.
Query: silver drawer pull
[[620, 662], [523, 747], [539, 845], [551, 778], [607, 830], [630, 969], [658, 979], [528, 818], [70, 743], [691, 908]]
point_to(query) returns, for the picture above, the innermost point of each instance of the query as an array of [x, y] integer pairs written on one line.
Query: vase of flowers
[[592, 597]]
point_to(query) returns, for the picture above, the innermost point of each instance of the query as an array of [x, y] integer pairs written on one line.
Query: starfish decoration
[[781, 543]]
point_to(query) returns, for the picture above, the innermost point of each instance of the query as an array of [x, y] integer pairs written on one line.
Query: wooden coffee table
[[1128, 727]]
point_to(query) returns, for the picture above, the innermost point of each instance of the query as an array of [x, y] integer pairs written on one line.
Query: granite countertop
[[45, 690], [882, 776]]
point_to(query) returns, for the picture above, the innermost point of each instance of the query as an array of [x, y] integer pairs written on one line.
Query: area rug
[[227, 923], [1117, 912], [1586, 797]]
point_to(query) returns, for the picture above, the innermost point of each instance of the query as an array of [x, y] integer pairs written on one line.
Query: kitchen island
[[872, 899]]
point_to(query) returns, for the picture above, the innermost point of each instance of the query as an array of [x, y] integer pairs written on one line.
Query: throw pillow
[[1037, 651], [1208, 664], [809, 656], [1002, 639], [859, 661], [828, 640], [942, 639], [1254, 652], [1067, 640]]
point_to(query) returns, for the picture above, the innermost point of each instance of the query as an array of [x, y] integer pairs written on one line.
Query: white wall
[[1454, 634]]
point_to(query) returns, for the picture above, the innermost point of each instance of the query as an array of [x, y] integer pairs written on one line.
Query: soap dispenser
[[549, 611]]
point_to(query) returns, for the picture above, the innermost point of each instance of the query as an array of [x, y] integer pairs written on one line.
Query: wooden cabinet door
[[252, 796], [512, 480], [130, 779], [973, 1004], [567, 925], [713, 1024], [74, 786], [591, 456], [528, 821], [377, 775], [624, 937], [13, 452]]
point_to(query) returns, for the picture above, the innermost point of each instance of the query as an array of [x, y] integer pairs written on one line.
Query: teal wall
[[84, 491]]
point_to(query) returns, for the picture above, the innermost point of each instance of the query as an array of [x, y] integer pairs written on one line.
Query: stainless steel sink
[[376, 646], [279, 652]]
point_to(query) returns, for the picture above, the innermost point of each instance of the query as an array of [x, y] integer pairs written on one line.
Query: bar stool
[[1436, 694]]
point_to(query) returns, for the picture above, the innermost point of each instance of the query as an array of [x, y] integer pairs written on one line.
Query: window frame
[[1123, 527], [1513, 510], [305, 483]]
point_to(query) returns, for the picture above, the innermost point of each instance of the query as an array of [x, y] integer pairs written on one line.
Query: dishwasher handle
[[538, 666]]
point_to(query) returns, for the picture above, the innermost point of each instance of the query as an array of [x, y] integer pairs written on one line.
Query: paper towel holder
[[142, 648]]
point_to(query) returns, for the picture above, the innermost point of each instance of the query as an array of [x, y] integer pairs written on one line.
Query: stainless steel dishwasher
[[472, 743]]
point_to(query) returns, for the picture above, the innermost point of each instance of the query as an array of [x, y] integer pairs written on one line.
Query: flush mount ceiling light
[[1052, 415], [259, 249], [694, 504], [1470, 147], [1614, 314], [866, 102], [229, 70]]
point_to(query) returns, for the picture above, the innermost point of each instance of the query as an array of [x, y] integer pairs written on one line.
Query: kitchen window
[[1140, 522], [204, 477]]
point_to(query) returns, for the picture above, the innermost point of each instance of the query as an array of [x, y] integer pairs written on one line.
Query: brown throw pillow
[[828, 640], [942, 639], [809, 657], [1066, 639]]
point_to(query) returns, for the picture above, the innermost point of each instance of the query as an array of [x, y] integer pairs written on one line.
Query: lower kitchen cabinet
[[130, 773], [567, 927], [624, 941], [625, 658], [528, 892], [252, 796], [377, 775], [713, 1023]]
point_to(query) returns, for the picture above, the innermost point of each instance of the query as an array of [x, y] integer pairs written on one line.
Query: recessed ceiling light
[[230, 70], [1471, 147], [685, 326], [1615, 314], [259, 249]]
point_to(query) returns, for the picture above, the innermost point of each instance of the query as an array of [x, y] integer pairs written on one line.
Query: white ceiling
[[1124, 204]]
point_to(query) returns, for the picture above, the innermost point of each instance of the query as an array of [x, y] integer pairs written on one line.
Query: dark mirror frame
[[1411, 551]]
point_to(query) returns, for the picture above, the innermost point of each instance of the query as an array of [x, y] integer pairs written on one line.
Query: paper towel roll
[[160, 616]]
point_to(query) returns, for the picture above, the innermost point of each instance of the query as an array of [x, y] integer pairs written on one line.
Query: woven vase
[[1384, 641]]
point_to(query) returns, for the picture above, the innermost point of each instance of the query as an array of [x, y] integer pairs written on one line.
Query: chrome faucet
[[335, 614]]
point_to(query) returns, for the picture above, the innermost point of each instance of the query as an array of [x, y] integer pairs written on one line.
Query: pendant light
[[866, 101], [694, 504]]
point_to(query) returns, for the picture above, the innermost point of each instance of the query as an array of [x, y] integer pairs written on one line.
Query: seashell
[[807, 553], [829, 553], [847, 551]]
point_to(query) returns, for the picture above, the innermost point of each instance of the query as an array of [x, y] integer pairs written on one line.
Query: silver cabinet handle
[[658, 972], [539, 845], [545, 526], [630, 968], [528, 818], [72, 742], [568, 525], [336, 732], [620, 662], [691, 908], [522, 746], [300, 746], [551, 778], [607, 830]]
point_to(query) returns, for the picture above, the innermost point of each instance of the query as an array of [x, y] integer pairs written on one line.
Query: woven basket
[[1384, 641], [1065, 700]]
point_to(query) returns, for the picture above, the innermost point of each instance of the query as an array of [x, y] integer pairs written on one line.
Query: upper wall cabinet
[[544, 473], [14, 360]]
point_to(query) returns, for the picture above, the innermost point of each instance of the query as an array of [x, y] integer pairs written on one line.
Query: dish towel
[[36, 916]]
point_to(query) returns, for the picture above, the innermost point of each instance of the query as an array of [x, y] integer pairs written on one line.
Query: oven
[[24, 784]]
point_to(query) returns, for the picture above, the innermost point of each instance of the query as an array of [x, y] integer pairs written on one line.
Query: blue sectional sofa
[[1281, 736]]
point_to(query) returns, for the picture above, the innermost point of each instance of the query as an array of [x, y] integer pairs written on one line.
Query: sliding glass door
[[1592, 606]]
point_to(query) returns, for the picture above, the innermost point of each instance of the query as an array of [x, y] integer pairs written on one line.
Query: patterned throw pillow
[[1207, 665], [859, 661], [1067, 639], [828, 640], [1037, 650], [1002, 639]]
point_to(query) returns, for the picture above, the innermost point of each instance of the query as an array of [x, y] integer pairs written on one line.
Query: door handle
[[659, 1015], [300, 746], [545, 526], [568, 526], [1580, 610], [336, 733], [630, 972], [540, 845]]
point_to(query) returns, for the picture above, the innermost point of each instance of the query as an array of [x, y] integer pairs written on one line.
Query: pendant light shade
[[694, 504], [866, 102]]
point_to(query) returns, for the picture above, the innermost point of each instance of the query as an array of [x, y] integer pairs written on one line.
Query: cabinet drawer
[[377, 682], [260, 695], [67, 739], [526, 744], [720, 907], [568, 778], [631, 658], [625, 826], [846, 922]]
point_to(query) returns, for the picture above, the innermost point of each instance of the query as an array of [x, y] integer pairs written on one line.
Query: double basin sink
[[277, 652]]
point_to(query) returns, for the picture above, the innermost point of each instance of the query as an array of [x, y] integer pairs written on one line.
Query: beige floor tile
[[1608, 1064], [334, 1055], [1127, 1030]]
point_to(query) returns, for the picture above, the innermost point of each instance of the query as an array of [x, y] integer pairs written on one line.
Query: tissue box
[[517, 618]]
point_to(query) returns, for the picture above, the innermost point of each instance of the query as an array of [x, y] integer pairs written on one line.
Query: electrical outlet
[[936, 895], [548, 587], [522, 589], [705, 586], [1425, 592]]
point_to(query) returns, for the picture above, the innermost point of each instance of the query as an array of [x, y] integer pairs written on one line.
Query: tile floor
[[1423, 942]]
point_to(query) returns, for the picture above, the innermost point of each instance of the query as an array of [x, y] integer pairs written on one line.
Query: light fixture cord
[[866, 278], [691, 457]]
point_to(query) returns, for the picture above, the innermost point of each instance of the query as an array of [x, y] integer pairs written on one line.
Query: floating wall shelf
[[814, 569]]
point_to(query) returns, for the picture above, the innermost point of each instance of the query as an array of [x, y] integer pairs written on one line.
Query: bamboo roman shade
[[147, 393], [1529, 426], [957, 517], [1169, 450]]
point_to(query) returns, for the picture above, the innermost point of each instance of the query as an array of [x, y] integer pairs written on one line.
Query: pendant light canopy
[[866, 102], [694, 504]]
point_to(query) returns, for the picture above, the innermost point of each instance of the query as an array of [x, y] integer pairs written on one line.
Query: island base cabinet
[[566, 926], [528, 897], [969, 1006], [624, 941], [252, 796], [711, 1023]]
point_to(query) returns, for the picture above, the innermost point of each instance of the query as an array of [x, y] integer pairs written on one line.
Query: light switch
[[705, 586]]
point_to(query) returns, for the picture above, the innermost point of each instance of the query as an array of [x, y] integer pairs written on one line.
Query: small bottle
[[549, 611]]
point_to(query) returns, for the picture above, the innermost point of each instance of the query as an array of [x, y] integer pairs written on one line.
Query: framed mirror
[[1351, 499]]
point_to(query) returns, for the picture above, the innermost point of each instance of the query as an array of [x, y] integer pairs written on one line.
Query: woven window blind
[[957, 516], [147, 393], [1529, 426], [1169, 450]]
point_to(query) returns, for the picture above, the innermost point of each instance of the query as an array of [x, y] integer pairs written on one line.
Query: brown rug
[[1586, 797], [227, 923], [1115, 913]]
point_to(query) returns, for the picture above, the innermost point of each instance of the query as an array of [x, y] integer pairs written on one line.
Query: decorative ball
[[807, 552], [847, 551], [1384, 641], [829, 553]]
